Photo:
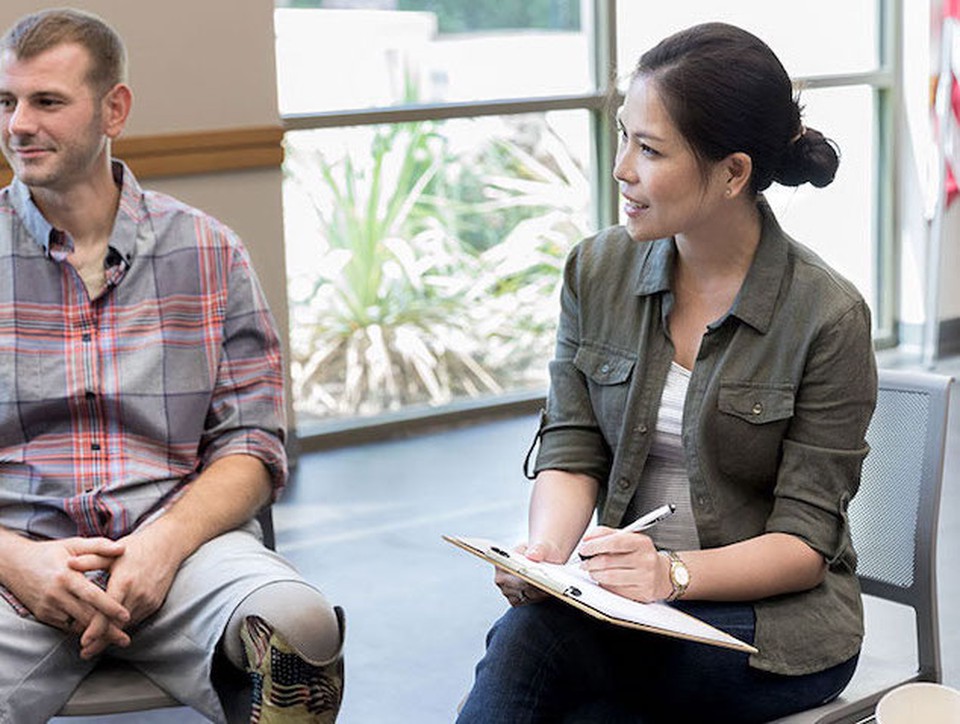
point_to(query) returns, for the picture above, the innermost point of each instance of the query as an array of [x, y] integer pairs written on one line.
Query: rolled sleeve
[[263, 445], [814, 488], [247, 409], [570, 437], [825, 447]]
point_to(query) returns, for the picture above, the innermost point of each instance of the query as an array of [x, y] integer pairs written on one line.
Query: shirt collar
[[657, 269], [757, 298], [758, 295], [122, 238], [39, 229], [131, 211]]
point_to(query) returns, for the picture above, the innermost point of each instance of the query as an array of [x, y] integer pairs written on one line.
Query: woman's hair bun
[[810, 157]]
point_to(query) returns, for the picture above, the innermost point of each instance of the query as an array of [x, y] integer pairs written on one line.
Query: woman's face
[[665, 192]]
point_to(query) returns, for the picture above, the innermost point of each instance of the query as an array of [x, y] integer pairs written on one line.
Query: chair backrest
[[893, 517], [265, 518]]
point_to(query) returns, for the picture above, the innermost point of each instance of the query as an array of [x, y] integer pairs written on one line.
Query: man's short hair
[[38, 32]]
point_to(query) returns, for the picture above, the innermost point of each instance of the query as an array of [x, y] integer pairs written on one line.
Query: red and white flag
[[947, 103]]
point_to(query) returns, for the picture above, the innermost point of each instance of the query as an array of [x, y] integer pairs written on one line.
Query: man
[[141, 418]]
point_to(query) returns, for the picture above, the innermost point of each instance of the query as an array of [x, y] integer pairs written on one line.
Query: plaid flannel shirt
[[109, 407]]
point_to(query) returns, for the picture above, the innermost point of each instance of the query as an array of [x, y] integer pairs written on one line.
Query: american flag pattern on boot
[[287, 687]]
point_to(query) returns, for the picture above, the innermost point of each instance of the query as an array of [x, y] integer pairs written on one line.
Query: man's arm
[[224, 496]]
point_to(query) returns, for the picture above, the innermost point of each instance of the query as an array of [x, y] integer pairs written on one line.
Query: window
[[431, 255], [838, 56], [443, 155]]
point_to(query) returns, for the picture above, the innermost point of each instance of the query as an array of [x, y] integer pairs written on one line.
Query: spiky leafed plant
[[388, 321], [539, 181]]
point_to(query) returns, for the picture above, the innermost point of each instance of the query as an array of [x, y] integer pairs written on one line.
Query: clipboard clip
[[536, 575]]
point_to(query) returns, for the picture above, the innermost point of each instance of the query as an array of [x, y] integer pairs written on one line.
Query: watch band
[[679, 575]]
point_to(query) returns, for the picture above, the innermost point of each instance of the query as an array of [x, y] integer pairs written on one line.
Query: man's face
[[52, 119]]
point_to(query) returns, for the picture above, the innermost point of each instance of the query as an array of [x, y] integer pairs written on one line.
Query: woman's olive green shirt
[[773, 423]]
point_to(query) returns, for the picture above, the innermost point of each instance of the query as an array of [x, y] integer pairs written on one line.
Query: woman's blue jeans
[[549, 662]]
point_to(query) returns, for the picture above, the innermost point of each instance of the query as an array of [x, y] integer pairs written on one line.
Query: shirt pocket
[[608, 373], [752, 422], [758, 403]]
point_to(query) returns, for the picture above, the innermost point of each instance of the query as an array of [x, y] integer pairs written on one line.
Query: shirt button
[[86, 337], [623, 483], [757, 408], [95, 447], [605, 367], [642, 428], [89, 394]]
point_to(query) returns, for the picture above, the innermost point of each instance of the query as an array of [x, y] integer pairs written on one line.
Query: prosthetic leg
[[289, 640]]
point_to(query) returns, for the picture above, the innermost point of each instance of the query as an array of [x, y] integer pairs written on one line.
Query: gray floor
[[365, 524]]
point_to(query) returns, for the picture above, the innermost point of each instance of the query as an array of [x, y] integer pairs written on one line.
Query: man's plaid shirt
[[110, 406]]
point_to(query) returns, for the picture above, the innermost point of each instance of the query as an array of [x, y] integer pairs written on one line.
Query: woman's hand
[[627, 564], [518, 591]]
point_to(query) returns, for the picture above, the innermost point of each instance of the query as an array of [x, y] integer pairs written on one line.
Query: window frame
[[600, 25]]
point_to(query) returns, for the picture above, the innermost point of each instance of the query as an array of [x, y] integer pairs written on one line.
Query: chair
[[114, 687], [893, 521]]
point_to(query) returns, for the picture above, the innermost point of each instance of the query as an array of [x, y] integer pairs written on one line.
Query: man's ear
[[738, 168], [116, 109]]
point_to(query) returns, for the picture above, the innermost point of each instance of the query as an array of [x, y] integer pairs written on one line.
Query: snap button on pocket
[[603, 367], [757, 403], [623, 483]]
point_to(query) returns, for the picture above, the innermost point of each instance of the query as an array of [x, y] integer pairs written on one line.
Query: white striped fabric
[[664, 478]]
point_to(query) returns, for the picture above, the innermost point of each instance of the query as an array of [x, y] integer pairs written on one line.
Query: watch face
[[681, 574]]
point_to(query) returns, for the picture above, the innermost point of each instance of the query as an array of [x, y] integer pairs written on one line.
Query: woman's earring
[[728, 192]]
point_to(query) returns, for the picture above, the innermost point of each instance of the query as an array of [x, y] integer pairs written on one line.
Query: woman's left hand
[[627, 564]]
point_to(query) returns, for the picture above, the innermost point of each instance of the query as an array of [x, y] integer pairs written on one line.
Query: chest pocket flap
[[756, 403], [603, 366]]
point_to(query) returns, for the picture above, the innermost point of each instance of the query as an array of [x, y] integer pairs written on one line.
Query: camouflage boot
[[286, 686]]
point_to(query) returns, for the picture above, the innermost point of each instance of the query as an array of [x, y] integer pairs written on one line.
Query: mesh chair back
[[893, 518], [884, 513]]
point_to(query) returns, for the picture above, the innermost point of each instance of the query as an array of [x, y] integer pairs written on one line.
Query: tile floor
[[365, 523]]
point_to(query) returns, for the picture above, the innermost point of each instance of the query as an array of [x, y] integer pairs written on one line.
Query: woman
[[707, 360]]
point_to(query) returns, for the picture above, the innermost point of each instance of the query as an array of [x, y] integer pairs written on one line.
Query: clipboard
[[574, 587]]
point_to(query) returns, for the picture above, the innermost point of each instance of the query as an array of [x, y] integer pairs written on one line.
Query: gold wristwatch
[[679, 575]]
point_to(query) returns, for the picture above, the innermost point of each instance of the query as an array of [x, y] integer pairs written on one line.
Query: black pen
[[648, 520]]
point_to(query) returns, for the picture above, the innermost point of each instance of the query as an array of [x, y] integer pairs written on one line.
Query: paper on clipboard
[[583, 593]]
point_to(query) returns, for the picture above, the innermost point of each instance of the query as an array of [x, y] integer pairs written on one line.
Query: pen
[[647, 520], [650, 519]]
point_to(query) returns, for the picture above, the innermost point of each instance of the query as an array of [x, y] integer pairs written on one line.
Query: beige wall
[[193, 65], [202, 66]]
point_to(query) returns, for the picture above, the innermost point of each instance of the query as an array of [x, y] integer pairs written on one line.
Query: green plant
[[435, 274], [387, 322], [540, 182]]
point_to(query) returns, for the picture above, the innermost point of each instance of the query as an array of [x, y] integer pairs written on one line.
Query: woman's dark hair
[[727, 92]]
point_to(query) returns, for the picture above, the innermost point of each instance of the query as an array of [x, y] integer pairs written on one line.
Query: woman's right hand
[[517, 591]]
